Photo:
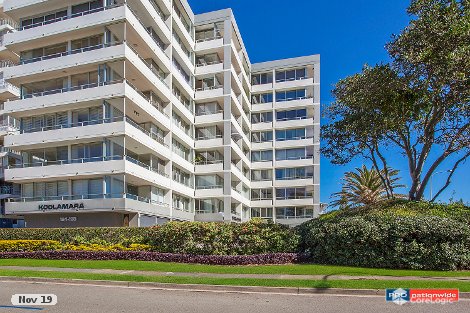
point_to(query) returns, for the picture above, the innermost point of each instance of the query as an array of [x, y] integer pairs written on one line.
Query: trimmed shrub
[[97, 247], [254, 237], [387, 241], [201, 238], [28, 245], [259, 259]]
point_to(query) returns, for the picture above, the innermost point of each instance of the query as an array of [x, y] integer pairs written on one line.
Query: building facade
[[135, 113]]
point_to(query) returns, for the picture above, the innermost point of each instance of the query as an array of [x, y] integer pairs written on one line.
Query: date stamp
[[33, 299]]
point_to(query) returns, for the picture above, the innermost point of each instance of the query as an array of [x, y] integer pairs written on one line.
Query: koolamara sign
[[62, 206]]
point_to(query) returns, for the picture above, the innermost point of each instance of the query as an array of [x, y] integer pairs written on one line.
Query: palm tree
[[363, 187]]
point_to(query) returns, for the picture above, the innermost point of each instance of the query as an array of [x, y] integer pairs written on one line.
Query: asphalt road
[[103, 299]]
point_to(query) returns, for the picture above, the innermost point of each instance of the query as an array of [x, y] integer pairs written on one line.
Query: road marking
[[19, 307]]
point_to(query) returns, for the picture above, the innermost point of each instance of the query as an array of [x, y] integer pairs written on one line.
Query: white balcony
[[182, 215], [261, 88], [213, 191], [182, 189], [294, 182], [209, 68], [209, 143], [210, 167], [262, 126], [288, 84], [305, 122], [264, 203], [8, 91], [261, 107], [208, 118], [295, 162], [209, 92], [283, 105], [50, 65], [293, 202], [209, 44], [25, 39], [295, 143], [86, 168], [63, 97], [102, 203]]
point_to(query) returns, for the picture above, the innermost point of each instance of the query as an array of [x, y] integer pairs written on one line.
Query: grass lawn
[[352, 284], [293, 269]]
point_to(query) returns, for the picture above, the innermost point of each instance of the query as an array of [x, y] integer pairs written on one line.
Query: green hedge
[[254, 237], [416, 242]]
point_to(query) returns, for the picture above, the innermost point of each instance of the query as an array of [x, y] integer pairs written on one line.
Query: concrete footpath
[[218, 275]]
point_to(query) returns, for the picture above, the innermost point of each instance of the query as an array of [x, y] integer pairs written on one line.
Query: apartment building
[[135, 113]]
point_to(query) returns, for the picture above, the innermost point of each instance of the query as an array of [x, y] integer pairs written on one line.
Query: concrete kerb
[[210, 288]]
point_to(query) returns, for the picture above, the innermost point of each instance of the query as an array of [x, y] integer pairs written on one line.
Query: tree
[[418, 104], [363, 187]]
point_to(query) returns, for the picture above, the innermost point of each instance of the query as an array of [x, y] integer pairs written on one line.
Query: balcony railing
[[5, 84], [207, 162], [90, 197], [294, 138], [296, 98], [200, 64], [291, 79], [218, 136], [301, 157], [78, 124], [47, 92], [152, 135], [292, 118], [70, 16], [64, 162], [209, 187], [200, 112], [218, 36], [90, 160], [209, 87], [295, 177], [69, 52], [8, 21], [144, 165], [296, 197]]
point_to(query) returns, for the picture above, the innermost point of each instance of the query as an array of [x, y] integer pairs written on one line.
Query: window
[[209, 182], [289, 75], [209, 205], [293, 193], [288, 95], [290, 154], [181, 203], [207, 108], [262, 194], [261, 175], [262, 156], [44, 19], [265, 136], [263, 117], [291, 115], [49, 190], [294, 212], [259, 79], [290, 134], [262, 212], [90, 152], [262, 98], [181, 177], [294, 173], [210, 132], [181, 150]]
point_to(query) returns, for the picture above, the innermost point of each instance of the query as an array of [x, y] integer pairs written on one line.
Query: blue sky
[[347, 34]]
